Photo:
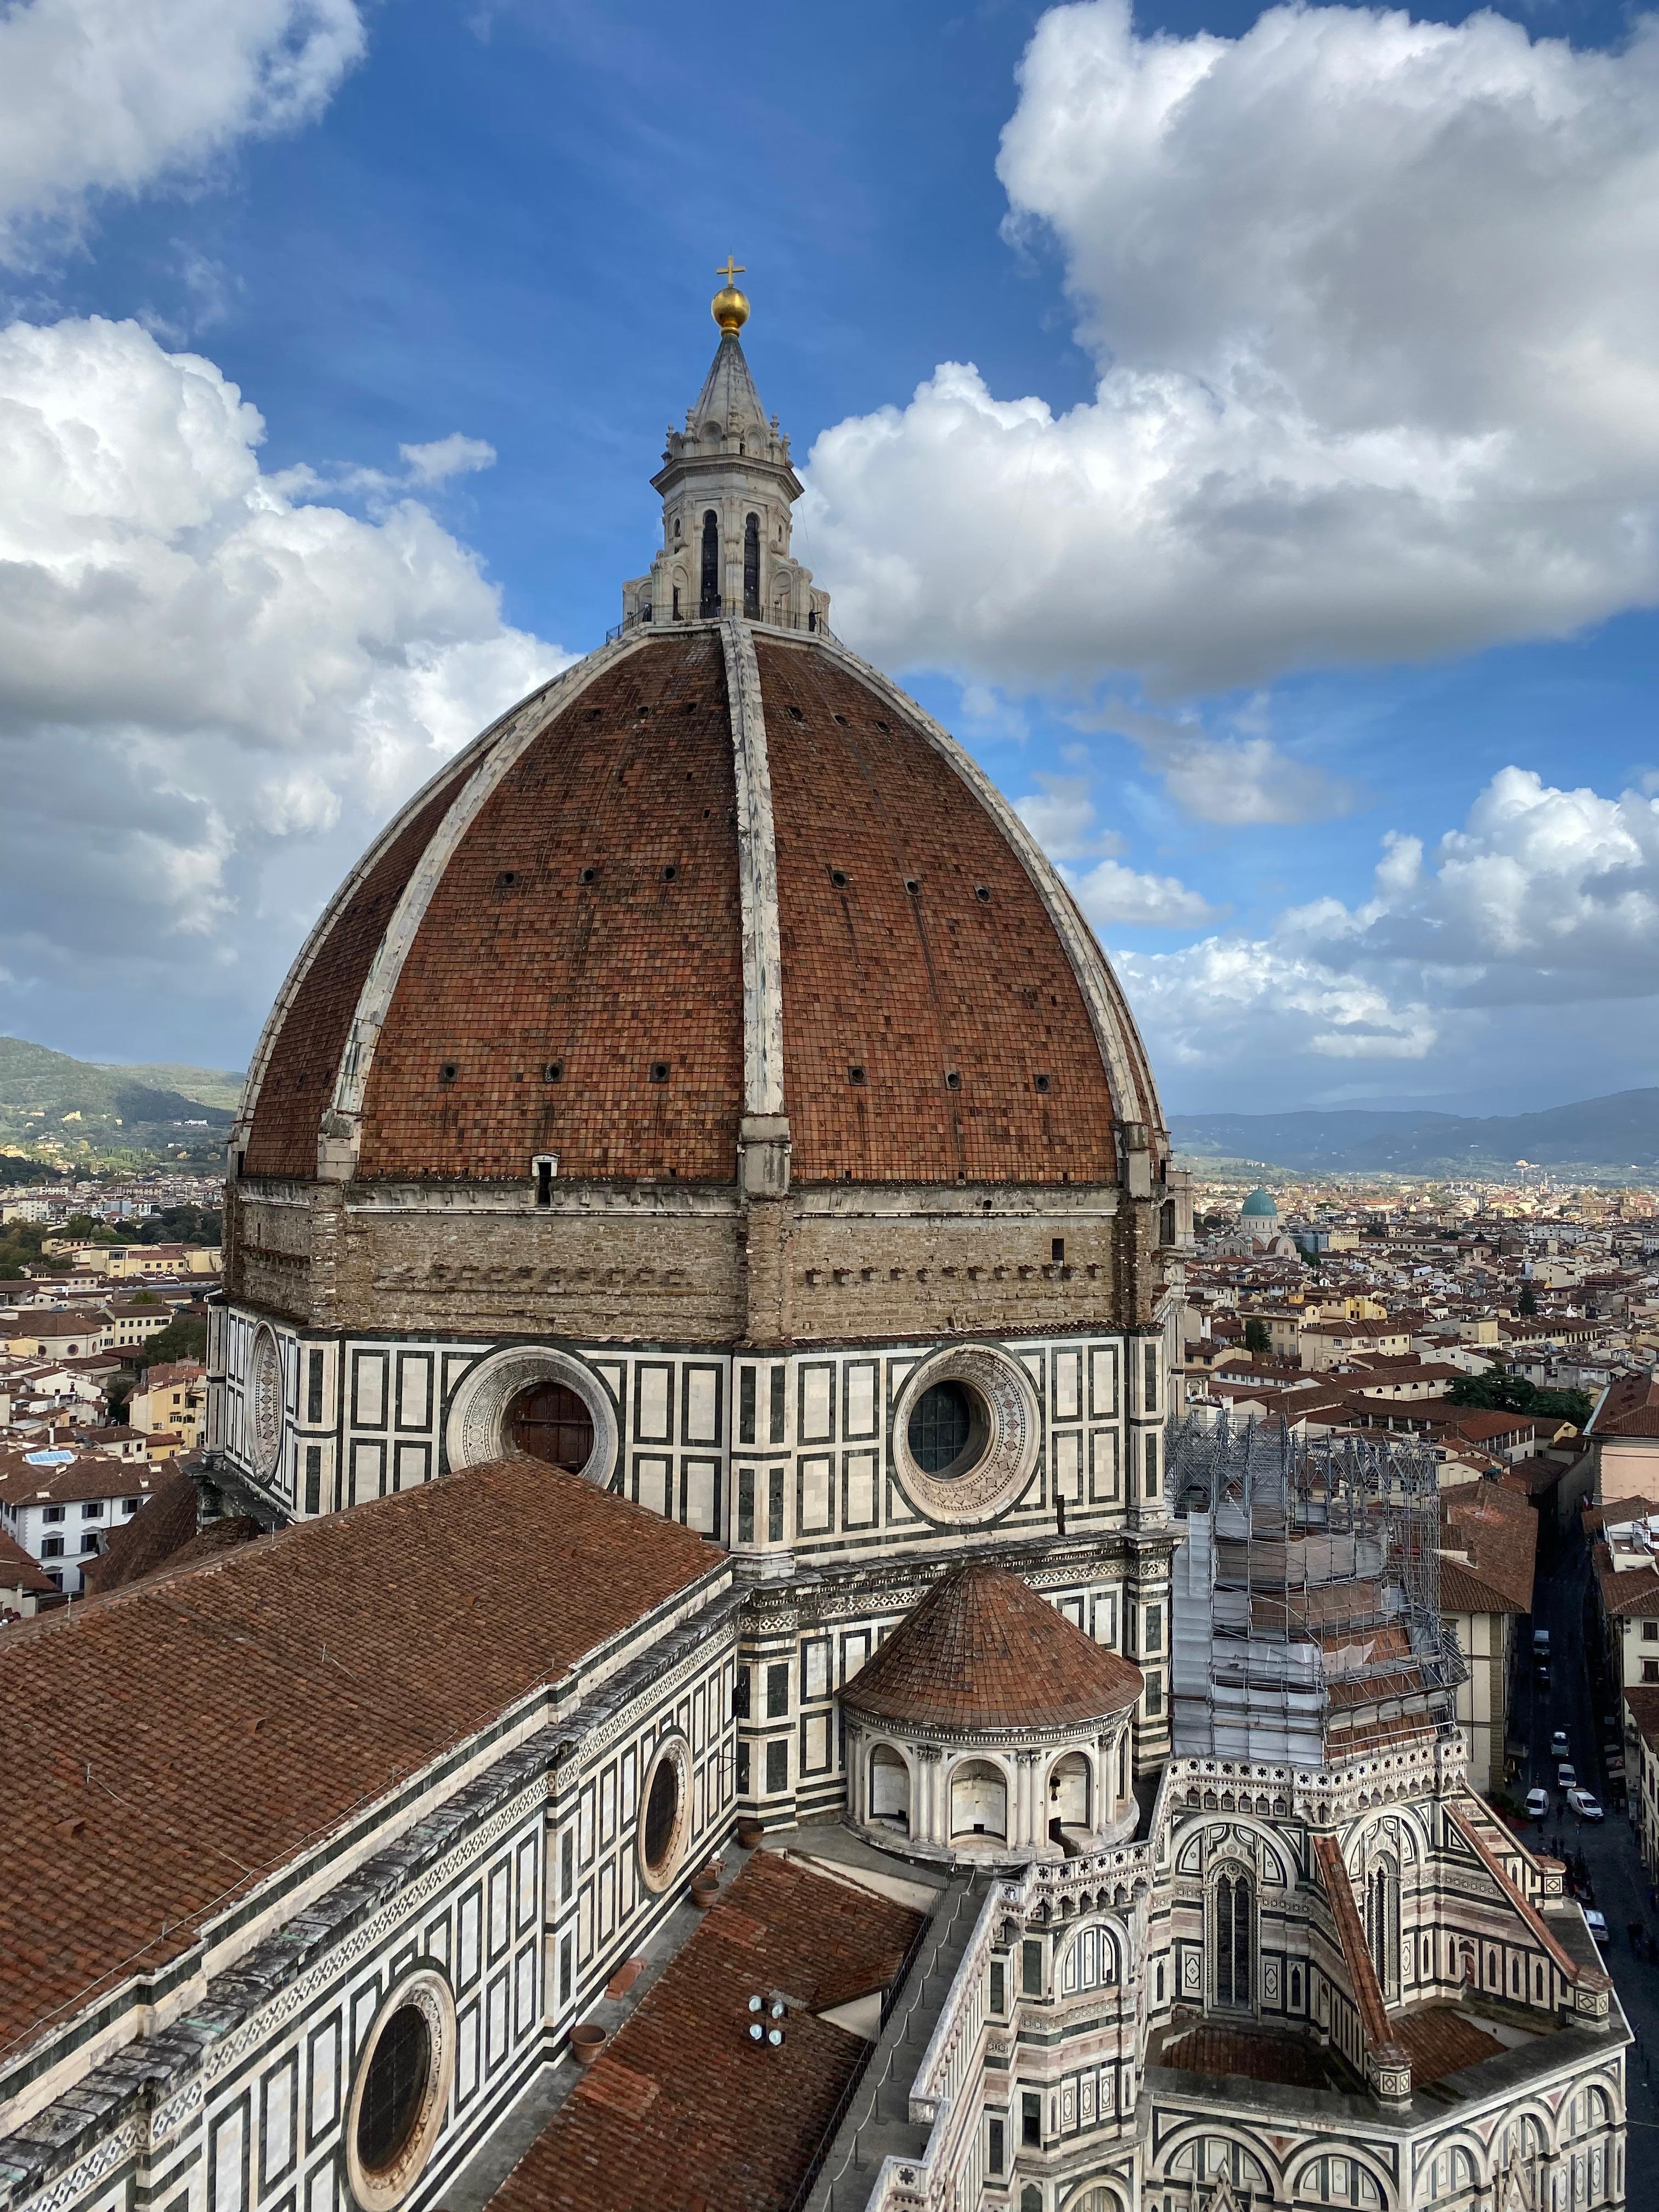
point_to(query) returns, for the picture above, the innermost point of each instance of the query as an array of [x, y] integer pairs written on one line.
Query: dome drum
[[988, 1726]]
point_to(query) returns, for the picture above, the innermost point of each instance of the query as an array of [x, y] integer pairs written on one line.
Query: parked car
[[1586, 1804], [1566, 1776], [1559, 1747], [1597, 1923], [1540, 1675], [1541, 1643], [1537, 1803]]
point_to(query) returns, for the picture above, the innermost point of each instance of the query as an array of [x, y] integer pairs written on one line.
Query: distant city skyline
[[1293, 572]]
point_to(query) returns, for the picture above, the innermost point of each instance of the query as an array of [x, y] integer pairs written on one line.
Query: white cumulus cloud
[[1375, 308], [207, 685], [454, 456], [110, 95], [1063, 815], [1544, 903]]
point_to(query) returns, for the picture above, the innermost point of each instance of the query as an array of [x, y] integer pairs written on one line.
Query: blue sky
[[1290, 509]]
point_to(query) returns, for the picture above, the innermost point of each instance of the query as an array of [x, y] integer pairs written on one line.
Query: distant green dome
[[1258, 1203]]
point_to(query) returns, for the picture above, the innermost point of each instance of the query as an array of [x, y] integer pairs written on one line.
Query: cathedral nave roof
[[169, 1745]]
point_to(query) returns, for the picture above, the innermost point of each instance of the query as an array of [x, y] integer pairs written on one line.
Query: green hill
[[1612, 1134], [46, 1097]]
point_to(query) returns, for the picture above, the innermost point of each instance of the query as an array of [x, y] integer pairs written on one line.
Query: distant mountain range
[[1614, 1133], [48, 1095]]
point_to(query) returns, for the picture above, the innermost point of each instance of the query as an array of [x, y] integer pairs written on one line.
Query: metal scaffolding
[[1307, 1622]]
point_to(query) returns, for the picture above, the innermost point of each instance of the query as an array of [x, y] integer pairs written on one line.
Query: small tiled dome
[[983, 1651]]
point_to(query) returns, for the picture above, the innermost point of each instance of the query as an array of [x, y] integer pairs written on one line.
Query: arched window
[[1383, 1922], [1090, 1962], [710, 598], [979, 1800], [1232, 1933], [1068, 1794], [890, 1788], [752, 569], [1211, 2158]]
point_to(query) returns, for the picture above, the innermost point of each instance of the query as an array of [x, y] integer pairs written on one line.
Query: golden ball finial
[[729, 307]]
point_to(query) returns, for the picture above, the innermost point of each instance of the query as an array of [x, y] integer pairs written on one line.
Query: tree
[[1257, 1336], [89, 1230], [1528, 1300], [185, 1337], [1496, 1392]]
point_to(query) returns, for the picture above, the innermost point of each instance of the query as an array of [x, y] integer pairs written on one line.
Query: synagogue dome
[[720, 884], [1260, 1204]]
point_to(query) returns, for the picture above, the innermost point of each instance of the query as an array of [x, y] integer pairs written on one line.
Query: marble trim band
[[758, 878]]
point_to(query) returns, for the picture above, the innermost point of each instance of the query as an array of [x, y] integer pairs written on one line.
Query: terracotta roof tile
[[589, 921], [134, 1717], [982, 1649], [730, 2126], [966, 975], [1441, 2040], [19, 1571], [162, 1535]]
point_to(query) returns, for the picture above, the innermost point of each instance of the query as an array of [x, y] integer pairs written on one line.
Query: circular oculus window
[[665, 1829], [533, 1399], [401, 2091], [264, 1395], [965, 1433]]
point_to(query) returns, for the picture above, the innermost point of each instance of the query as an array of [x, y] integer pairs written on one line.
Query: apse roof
[[983, 1650]]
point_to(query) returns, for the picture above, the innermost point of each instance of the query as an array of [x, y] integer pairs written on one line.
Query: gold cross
[[733, 268]]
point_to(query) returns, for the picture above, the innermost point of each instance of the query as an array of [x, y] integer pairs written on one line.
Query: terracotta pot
[[704, 1893], [750, 1833], [586, 2043]]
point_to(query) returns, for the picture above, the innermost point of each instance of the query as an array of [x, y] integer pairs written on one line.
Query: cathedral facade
[[750, 1697]]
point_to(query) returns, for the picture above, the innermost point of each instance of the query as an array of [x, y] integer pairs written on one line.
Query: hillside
[[48, 1096], [1617, 1133]]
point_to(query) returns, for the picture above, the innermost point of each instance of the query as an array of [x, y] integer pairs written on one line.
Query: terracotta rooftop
[[161, 1534], [19, 1571], [1441, 2040], [1258, 2054], [983, 1650], [1629, 1408], [682, 2110], [1629, 1593], [159, 1746], [27, 1479], [1499, 1531], [589, 921], [1644, 1704]]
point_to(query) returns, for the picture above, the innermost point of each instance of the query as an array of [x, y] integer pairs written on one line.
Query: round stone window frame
[[265, 1410], [477, 1429], [673, 1747], [428, 1991], [1012, 1415]]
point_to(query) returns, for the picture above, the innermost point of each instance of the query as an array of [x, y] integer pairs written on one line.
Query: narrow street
[[1562, 1603]]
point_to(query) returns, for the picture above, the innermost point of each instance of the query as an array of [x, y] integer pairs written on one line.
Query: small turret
[[727, 488]]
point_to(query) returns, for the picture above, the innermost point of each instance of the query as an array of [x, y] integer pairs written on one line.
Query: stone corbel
[[763, 1155]]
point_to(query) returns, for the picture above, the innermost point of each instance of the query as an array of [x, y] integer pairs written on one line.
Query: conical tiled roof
[[983, 1650], [728, 395]]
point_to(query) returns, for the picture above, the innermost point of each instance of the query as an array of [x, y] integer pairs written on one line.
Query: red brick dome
[[709, 872]]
